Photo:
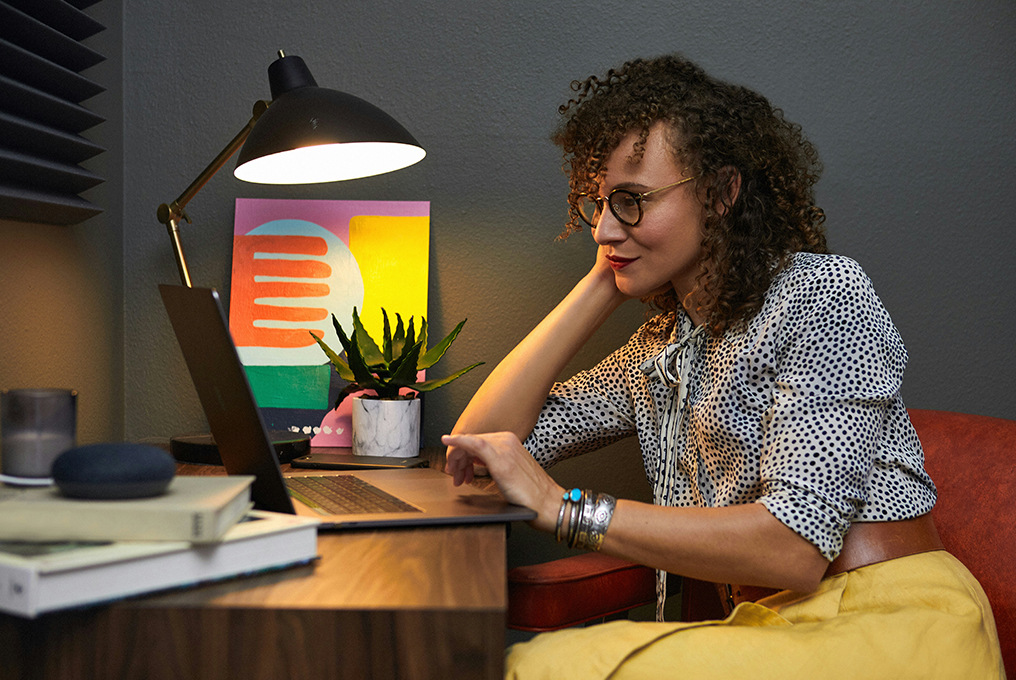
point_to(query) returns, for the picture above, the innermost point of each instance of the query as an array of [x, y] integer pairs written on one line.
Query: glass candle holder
[[36, 426]]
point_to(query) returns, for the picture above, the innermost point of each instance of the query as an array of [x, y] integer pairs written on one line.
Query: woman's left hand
[[517, 474]]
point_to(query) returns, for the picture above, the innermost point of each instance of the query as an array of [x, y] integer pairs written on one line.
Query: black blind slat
[[40, 173], [35, 36], [33, 205], [41, 112], [40, 73], [30, 137], [22, 100], [60, 16]]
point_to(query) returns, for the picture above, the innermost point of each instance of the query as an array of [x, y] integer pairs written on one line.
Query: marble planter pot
[[386, 427]]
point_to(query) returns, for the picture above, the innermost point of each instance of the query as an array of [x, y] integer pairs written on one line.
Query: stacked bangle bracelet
[[589, 515]]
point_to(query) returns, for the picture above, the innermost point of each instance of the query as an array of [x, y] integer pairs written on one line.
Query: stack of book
[[57, 552]]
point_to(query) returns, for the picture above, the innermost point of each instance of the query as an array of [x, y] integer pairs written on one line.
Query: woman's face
[[665, 246]]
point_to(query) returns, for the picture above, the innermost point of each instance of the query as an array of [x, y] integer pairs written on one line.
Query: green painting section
[[290, 386]]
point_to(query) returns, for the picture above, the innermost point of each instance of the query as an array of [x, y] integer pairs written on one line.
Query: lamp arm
[[171, 214]]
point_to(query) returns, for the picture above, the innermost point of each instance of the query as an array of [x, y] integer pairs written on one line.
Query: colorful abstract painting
[[297, 262]]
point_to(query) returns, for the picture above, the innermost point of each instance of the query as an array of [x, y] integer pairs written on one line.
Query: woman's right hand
[[517, 474], [602, 276]]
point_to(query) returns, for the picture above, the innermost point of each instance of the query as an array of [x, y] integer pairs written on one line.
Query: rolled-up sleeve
[[589, 411], [837, 374]]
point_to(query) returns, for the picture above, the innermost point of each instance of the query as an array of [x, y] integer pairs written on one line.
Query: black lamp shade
[[312, 134]]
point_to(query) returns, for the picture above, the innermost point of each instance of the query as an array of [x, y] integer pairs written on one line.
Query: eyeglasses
[[626, 205]]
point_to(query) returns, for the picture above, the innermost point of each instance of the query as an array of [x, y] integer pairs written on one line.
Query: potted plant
[[387, 422]]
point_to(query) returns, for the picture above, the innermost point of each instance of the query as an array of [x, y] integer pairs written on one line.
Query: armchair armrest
[[575, 590]]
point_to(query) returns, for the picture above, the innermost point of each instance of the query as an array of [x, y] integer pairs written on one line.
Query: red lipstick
[[618, 263]]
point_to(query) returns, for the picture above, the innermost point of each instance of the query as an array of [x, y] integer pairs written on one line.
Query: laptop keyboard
[[344, 495]]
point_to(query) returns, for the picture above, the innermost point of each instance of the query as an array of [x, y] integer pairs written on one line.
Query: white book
[[198, 509], [41, 577]]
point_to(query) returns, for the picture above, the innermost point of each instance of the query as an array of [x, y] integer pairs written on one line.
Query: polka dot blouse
[[799, 410]]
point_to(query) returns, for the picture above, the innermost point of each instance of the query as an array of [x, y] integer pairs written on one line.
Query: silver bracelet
[[574, 517], [569, 497], [579, 537], [602, 513]]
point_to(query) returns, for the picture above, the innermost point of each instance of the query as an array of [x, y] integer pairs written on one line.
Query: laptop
[[417, 496]]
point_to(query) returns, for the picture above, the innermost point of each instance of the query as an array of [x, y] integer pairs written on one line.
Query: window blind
[[42, 56]]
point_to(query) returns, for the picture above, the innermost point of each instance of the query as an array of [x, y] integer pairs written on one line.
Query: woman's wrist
[[547, 513], [599, 291], [583, 518], [601, 281]]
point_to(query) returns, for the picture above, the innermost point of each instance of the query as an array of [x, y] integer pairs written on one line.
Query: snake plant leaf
[[361, 372], [386, 346], [437, 351], [404, 369], [341, 334], [369, 350], [341, 367], [422, 337], [399, 339], [428, 385], [349, 389], [410, 336]]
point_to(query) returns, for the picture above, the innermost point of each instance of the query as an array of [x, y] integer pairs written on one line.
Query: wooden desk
[[397, 603]]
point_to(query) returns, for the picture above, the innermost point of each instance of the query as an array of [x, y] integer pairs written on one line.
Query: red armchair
[[973, 462]]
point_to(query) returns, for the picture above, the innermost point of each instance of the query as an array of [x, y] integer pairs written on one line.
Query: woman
[[765, 397]]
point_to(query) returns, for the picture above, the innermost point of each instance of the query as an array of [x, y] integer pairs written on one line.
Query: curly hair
[[719, 131]]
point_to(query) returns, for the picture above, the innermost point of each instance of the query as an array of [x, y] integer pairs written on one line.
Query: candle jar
[[36, 426]]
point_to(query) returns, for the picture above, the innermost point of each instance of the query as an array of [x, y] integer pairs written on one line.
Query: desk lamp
[[306, 134]]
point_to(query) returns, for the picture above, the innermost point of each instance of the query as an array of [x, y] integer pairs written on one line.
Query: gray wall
[[909, 103], [911, 109]]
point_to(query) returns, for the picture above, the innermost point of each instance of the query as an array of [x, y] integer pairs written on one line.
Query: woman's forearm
[[742, 544], [512, 396], [737, 544]]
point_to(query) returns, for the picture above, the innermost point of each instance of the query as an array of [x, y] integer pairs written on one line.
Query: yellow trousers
[[922, 616]]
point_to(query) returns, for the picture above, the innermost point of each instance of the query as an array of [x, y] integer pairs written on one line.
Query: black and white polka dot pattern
[[800, 411]]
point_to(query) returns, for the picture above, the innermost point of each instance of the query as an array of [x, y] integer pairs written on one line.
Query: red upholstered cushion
[[575, 590], [972, 460]]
